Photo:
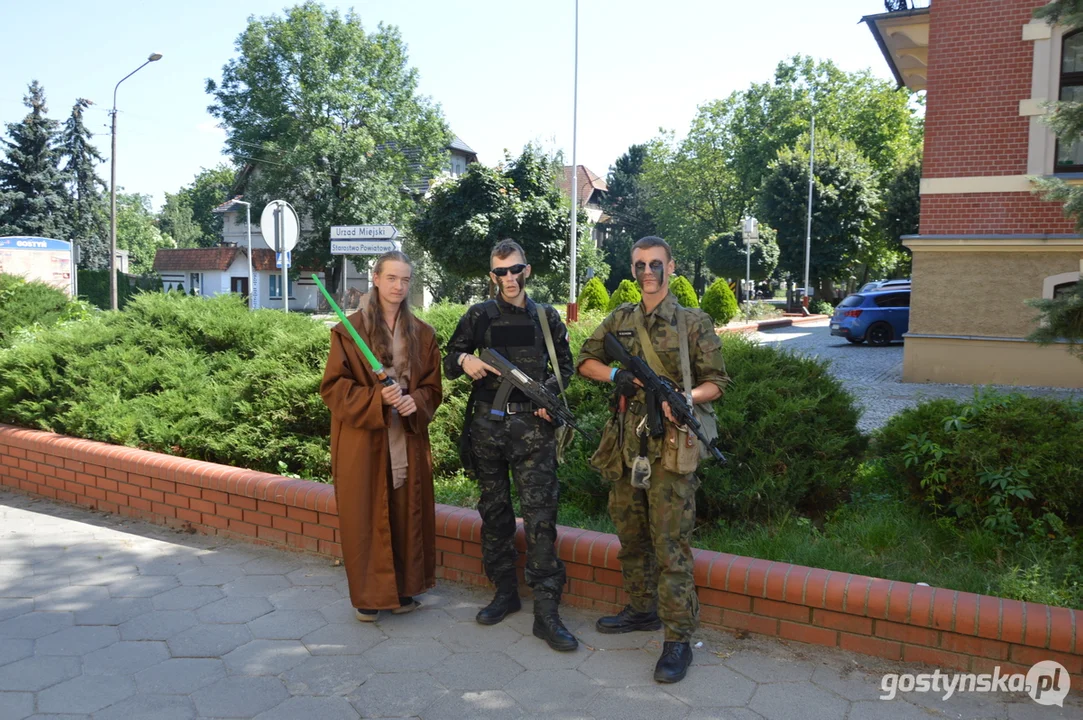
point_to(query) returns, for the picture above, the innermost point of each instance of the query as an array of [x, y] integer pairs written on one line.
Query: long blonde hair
[[380, 336]]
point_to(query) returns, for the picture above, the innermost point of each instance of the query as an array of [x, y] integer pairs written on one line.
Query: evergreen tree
[[33, 195], [89, 216]]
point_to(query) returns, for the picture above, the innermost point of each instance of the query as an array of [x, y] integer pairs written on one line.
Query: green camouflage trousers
[[655, 556]]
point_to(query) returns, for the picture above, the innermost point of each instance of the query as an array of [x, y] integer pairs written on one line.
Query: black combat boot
[[628, 620], [673, 665], [548, 626], [505, 602]]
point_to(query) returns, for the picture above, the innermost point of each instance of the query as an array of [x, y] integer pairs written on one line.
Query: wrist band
[[613, 374], [462, 359]]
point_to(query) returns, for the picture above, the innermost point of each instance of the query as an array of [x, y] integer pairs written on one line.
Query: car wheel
[[855, 341], [879, 334]]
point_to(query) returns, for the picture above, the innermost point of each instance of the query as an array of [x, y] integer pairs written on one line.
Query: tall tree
[[464, 217], [33, 194], [89, 214], [726, 255], [625, 203], [878, 117], [844, 205], [330, 118], [694, 191], [138, 233], [176, 219], [188, 214]]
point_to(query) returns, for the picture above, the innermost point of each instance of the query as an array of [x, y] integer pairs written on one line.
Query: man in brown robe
[[388, 534]]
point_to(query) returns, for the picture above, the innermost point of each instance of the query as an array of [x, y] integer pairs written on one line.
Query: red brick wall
[[992, 214], [894, 620], [979, 70]]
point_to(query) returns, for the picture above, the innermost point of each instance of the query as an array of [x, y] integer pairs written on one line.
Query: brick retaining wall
[[893, 620]]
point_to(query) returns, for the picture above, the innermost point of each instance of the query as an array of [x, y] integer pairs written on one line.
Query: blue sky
[[502, 71]]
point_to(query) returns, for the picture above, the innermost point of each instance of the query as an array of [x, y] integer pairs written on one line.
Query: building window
[[276, 287], [1070, 155], [196, 285]]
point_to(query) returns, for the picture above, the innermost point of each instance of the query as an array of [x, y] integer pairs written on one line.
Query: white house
[[590, 188], [210, 271]]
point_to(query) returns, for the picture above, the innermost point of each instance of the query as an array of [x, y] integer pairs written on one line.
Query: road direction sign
[[364, 247], [364, 232]]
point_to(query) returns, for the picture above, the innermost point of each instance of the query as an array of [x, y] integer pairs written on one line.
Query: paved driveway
[[874, 374]]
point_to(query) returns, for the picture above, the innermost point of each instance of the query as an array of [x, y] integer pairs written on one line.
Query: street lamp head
[[154, 56]]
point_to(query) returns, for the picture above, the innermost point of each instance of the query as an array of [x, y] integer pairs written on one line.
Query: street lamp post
[[113, 188], [573, 306], [750, 232]]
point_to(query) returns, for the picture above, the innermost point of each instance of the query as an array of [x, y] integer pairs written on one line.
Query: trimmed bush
[[719, 302], [789, 429], [25, 305], [594, 296], [199, 377], [626, 292], [819, 306], [1008, 463], [686, 294], [206, 378]]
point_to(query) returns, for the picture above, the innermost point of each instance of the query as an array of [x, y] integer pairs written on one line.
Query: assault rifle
[[659, 390], [513, 377]]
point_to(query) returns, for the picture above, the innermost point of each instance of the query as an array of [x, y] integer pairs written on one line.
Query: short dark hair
[[653, 241], [506, 247]]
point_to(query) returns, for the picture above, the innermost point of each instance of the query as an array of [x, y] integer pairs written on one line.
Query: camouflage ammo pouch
[[681, 449], [608, 459]]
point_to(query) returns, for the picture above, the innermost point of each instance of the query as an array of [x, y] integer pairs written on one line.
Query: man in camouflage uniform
[[519, 436], [654, 524]]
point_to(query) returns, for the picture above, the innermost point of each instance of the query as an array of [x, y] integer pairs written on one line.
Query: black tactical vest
[[518, 338]]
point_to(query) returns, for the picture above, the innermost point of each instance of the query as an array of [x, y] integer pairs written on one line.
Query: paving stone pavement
[[874, 374], [103, 617]]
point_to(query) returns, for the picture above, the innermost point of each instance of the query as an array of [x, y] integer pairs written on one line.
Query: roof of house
[[458, 144], [216, 258], [230, 205], [586, 183]]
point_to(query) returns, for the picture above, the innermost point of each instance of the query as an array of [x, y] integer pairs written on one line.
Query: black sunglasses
[[514, 270]]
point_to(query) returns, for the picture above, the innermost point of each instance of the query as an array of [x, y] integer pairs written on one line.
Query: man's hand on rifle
[[477, 368], [669, 412], [543, 414], [627, 383]]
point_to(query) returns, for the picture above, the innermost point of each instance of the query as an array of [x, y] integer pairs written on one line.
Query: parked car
[[880, 317]]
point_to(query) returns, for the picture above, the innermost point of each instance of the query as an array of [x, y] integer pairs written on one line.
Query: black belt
[[512, 408]]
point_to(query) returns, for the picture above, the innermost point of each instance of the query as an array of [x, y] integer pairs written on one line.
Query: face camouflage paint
[[657, 267]]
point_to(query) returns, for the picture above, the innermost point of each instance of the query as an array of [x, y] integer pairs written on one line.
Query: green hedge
[[94, 287], [1008, 463], [26, 305], [206, 378]]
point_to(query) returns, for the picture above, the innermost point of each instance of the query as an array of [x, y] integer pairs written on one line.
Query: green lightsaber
[[377, 367]]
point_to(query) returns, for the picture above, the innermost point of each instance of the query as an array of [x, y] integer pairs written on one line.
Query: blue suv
[[879, 317]]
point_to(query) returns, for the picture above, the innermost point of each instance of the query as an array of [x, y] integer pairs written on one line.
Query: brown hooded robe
[[360, 466]]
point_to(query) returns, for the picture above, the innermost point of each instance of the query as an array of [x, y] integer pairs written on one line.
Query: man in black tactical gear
[[518, 436]]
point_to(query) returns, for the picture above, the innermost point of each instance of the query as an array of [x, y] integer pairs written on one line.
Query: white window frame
[[276, 284], [1051, 283], [196, 282]]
